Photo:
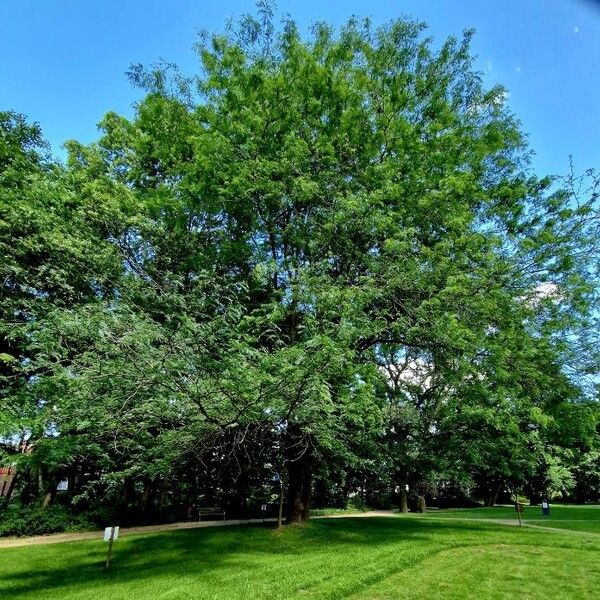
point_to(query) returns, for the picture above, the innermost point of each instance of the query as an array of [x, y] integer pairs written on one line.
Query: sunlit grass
[[562, 516], [358, 558]]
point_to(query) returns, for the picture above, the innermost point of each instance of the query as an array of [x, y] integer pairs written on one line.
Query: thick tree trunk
[[403, 500], [299, 489], [10, 488], [50, 495], [494, 496]]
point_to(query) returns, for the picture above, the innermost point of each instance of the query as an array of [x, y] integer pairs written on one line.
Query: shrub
[[37, 521]]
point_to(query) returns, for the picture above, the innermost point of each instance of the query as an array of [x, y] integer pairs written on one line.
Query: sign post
[[110, 535], [263, 509], [519, 506]]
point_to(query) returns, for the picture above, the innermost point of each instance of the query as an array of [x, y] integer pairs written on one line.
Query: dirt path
[[511, 522], [559, 530], [369, 513], [56, 538]]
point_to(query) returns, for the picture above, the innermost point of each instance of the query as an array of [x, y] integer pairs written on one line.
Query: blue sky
[[63, 62]]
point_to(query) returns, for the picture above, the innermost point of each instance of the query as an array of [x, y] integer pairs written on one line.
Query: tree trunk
[[403, 500], [280, 513], [9, 490], [494, 496], [239, 504], [47, 500], [163, 495], [146, 501], [299, 489]]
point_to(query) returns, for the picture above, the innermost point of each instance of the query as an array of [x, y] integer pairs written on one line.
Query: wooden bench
[[211, 511]]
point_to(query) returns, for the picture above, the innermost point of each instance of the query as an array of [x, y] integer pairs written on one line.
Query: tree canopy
[[322, 260]]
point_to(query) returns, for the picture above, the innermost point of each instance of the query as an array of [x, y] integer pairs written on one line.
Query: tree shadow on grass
[[206, 553]]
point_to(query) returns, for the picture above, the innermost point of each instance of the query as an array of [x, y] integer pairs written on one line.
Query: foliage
[[37, 521], [323, 261]]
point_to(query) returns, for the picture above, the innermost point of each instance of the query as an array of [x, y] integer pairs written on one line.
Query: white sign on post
[[63, 485], [263, 507], [110, 535], [108, 532]]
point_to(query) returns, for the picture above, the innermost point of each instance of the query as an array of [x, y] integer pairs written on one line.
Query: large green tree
[[300, 229]]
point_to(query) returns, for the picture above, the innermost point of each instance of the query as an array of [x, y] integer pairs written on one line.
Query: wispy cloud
[[518, 69], [575, 29]]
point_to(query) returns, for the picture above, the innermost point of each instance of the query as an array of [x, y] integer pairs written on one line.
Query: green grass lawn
[[419, 557], [562, 516]]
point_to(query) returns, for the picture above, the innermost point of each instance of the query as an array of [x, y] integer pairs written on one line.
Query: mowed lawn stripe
[[328, 559], [493, 572]]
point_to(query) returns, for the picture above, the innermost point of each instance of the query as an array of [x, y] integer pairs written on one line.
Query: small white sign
[[263, 507], [63, 485], [107, 533]]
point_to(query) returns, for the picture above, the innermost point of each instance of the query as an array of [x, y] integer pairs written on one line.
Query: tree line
[[323, 266]]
